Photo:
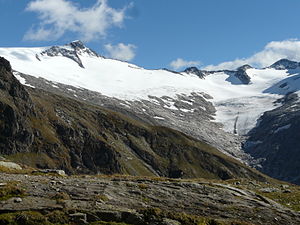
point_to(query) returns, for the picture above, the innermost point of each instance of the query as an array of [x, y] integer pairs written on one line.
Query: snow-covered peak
[[196, 71], [72, 51], [77, 44], [285, 64], [245, 67], [240, 73]]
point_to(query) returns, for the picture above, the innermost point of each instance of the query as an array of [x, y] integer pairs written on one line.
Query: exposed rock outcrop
[[242, 75], [137, 201]]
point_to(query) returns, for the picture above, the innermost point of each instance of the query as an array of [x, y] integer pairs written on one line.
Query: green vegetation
[[150, 215], [102, 197], [107, 223], [61, 196], [10, 190], [143, 186], [32, 159], [37, 218], [24, 218], [289, 199], [185, 219], [284, 193]]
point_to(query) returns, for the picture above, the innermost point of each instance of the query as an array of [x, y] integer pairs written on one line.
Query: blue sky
[[154, 33]]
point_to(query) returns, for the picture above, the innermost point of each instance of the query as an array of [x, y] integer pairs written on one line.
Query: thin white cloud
[[181, 63], [121, 51], [56, 17], [272, 52]]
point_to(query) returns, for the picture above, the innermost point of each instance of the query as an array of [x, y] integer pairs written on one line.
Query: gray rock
[[78, 218], [269, 190], [10, 165], [170, 222], [3, 184], [18, 200], [58, 172]]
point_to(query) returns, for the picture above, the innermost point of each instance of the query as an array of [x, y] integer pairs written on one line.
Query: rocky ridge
[[239, 73]]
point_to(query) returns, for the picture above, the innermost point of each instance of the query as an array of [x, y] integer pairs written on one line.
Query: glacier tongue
[[240, 115]]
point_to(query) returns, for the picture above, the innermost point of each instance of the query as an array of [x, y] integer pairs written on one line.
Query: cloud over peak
[[57, 17], [121, 51], [272, 52], [181, 63]]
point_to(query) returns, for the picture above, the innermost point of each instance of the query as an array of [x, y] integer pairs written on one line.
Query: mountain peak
[[80, 48], [196, 71], [77, 44], [244, 67], [284, 64], [73, 51]]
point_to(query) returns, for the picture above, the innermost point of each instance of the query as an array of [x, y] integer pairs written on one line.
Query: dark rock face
[[200, 73], [242, 75], [15, 132], [275, 141], [5, 64]]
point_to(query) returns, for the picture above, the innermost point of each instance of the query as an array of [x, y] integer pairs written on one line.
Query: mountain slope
[[216, 107], [51, 131], [275, 141]]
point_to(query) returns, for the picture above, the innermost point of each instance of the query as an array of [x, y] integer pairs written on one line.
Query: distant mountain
[[222, 108], [285, 64]]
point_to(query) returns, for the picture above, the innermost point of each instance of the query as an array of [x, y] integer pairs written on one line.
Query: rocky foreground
[[40, 199]]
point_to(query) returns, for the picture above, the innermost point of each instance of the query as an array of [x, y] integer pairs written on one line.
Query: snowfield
[[238, 105]]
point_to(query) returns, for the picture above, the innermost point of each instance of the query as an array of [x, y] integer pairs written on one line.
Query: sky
[[174, 34]]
